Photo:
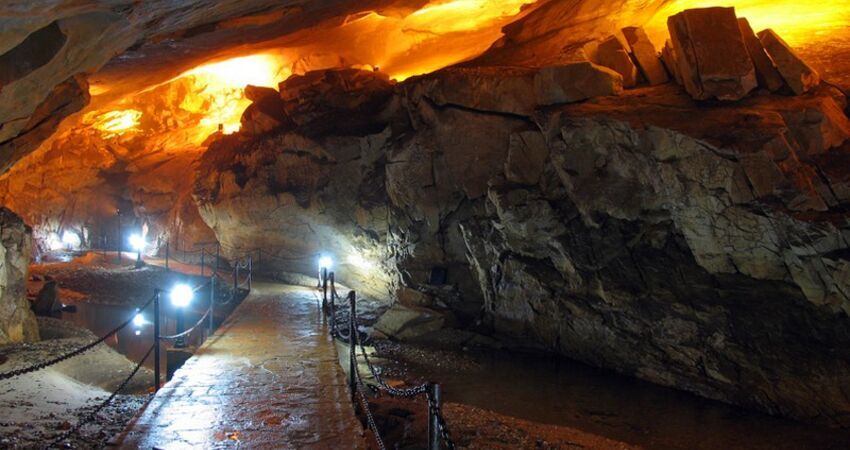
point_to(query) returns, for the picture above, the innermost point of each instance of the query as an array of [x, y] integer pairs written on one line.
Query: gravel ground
[[92, 279]]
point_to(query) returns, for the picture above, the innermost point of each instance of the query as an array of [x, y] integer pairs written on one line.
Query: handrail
[[438, 431], [154, 300]]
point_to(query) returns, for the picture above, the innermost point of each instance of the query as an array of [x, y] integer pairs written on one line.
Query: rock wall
[[17, 322], [698, 246]]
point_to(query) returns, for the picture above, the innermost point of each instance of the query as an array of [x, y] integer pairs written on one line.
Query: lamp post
[[181, 297], [118, 242], [138, 243], [325, 264]]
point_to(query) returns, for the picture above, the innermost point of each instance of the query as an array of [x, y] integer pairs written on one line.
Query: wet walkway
[[268, 378]]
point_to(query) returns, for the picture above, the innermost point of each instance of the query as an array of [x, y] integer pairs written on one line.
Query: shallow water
[[134, 341], [558, 391]]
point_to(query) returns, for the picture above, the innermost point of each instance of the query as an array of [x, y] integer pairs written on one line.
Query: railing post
[[433, 419], [156, 340], [235, 277], [167, 245], [324, 289], [212, 302], [352, 339], [250, 272], [217, 253], [333, 306], [203, 254]]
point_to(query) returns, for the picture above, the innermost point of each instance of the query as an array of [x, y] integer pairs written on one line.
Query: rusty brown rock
[[668, 57], [800, 76], [614, 54], [644, 53], [766, 74], [575, 82], [711, 54]]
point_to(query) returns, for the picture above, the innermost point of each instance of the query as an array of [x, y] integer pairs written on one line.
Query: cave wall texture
[[702, 245], [17, 321]]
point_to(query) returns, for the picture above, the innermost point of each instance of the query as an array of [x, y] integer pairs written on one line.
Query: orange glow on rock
[[115, 123], [796, 21], [218, 90]]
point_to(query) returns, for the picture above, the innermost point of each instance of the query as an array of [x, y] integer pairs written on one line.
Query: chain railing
[[438, 430], [242, 282]]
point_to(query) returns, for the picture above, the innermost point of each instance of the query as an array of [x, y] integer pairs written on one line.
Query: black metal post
[[217, 254], [250, 272], [352, 339], [325, 289], [433, 419], [235, 277], [118, 243], [212, 302], [333, 306], [181, 341], [167, 249], [156, 340], [203, 253]]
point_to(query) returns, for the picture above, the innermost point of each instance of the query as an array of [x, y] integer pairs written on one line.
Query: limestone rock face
[[799, 75], [713, 60], [17, 322], [706, 254], [645, 55]]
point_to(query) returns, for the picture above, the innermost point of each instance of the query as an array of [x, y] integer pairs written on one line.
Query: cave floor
[[268, 378]]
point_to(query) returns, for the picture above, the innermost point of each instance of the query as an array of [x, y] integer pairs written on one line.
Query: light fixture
[[181, 295], [137, 242], [139, 320], [325, 262]]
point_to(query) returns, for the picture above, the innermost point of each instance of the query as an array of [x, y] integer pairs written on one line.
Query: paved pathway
[[268, 378]]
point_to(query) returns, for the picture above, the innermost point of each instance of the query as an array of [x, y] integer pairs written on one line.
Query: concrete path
[[268, 378]]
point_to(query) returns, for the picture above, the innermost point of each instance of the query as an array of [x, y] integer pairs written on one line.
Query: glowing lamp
[[137, 242], [53, 242], [181, 295], [139, 320], [325, 262]]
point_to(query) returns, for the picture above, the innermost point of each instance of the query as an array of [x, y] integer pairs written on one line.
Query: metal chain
[[92, 415], [180, 335], [441, 421], [395, 392], [71, 354], [363, 401]]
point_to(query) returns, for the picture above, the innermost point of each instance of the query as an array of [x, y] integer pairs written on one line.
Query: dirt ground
[[37, 407]]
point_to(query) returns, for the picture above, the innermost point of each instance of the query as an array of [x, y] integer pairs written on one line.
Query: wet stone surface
[[268, 378]]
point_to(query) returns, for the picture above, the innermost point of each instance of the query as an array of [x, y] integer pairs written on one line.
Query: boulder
[[337, 101], [411, 297], [266, 113], [575, 82], [47, 301], [644, 53], [614, 54], [766, 74], [408, 322], [499, 89], [17, 322], [800, 76], [712, 58], [668, 57]]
